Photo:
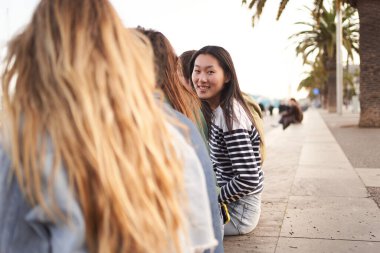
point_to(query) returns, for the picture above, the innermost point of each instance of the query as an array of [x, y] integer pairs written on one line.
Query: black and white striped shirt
[[235, 155]]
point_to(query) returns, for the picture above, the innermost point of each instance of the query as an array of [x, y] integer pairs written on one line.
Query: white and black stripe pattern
[[236, 156]]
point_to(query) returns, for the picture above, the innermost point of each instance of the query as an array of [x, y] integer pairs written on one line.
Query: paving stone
[[323, 155], [375, 194], [313, 199], [320, 138], [345, 166], [370, 177], [328, 181], [277, 186], [332, 218], [304, 245], [249, 244], [272, 215]]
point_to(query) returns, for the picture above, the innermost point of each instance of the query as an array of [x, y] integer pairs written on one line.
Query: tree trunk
[[369, 62], [324, 100], [331, 84], [324, 94]]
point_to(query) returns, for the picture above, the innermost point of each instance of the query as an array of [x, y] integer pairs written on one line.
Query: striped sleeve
[[243, 149]]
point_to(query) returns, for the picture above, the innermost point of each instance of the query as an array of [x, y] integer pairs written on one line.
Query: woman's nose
[[202, 77]]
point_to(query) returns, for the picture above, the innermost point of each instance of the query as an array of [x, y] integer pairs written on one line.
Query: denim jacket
[[196, 141], [26, 228]]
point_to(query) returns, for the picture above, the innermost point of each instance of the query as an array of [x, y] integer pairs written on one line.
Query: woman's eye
[[210, 72], [196, 71]]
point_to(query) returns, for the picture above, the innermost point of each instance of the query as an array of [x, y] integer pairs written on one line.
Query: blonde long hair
[[85, 84]]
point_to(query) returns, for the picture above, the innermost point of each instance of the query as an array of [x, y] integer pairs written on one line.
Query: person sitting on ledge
[[293, 114]]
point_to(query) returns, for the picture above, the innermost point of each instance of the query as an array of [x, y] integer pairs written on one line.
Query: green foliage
[[258, 5], [317, 43], [318, 40], [315, 78]]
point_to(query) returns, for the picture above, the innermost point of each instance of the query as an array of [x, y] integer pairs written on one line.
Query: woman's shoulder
[[219, 119], [241, 119]]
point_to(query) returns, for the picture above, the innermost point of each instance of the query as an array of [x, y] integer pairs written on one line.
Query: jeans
[[245, 214]]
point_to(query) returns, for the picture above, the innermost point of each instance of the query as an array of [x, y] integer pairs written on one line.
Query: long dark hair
[[231, 89], [185, 61]]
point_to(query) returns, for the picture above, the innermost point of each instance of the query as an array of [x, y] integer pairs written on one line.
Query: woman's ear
[[227, 78]]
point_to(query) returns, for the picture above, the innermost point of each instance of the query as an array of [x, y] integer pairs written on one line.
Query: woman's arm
[[243, 148], [27, 228]]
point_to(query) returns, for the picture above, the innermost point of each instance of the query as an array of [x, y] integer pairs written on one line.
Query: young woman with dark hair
[[233, 138]]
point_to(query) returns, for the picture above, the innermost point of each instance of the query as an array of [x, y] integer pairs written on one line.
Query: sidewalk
[[313, 200], [361, 146]]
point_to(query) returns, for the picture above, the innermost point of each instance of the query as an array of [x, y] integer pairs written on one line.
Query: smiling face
[[208, 79]]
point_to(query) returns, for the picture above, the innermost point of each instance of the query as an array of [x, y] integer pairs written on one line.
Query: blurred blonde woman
[[87, 159]]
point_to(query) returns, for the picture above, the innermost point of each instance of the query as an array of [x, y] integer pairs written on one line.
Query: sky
[[264, 58]]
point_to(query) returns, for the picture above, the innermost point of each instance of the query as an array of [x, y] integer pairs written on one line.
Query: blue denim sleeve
[[26, 228], [65, 236], [16, 236]]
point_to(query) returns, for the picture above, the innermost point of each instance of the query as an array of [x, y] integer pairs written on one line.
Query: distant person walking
[[233, 138], [270, 109]]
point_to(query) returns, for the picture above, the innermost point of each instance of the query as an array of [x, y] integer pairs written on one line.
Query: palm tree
[[369, 62], [369, 53], [315, 78], [349, 77], [317, 44]]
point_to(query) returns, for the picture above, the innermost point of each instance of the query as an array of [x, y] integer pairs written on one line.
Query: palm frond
[[316, 43], [251, 4], [260, 7], [257, 6], [317, 10], [281, 8]]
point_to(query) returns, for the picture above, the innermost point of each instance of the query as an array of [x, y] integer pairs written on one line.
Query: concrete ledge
[[370, 177], [332, 218], [289, 245], [314, 201]]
